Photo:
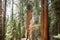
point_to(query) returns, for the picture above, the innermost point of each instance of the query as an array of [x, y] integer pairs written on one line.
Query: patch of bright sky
[[9, 7], [15, 7]]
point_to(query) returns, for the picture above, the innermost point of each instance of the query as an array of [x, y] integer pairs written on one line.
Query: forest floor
[[23, 39]]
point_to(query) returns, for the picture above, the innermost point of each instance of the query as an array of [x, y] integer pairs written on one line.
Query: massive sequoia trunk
[[44, 27]]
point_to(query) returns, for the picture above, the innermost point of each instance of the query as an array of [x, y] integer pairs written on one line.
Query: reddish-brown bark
[[29, 17], [44, 21]]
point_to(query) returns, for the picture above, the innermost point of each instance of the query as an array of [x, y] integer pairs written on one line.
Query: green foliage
[[54, 17], [16, 24]]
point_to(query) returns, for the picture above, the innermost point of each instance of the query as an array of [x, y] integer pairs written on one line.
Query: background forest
[[15, 17]]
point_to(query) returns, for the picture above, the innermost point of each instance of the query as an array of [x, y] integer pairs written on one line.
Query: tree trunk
[[1, 37], [44, 27], [4, 18], [29, 19]]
